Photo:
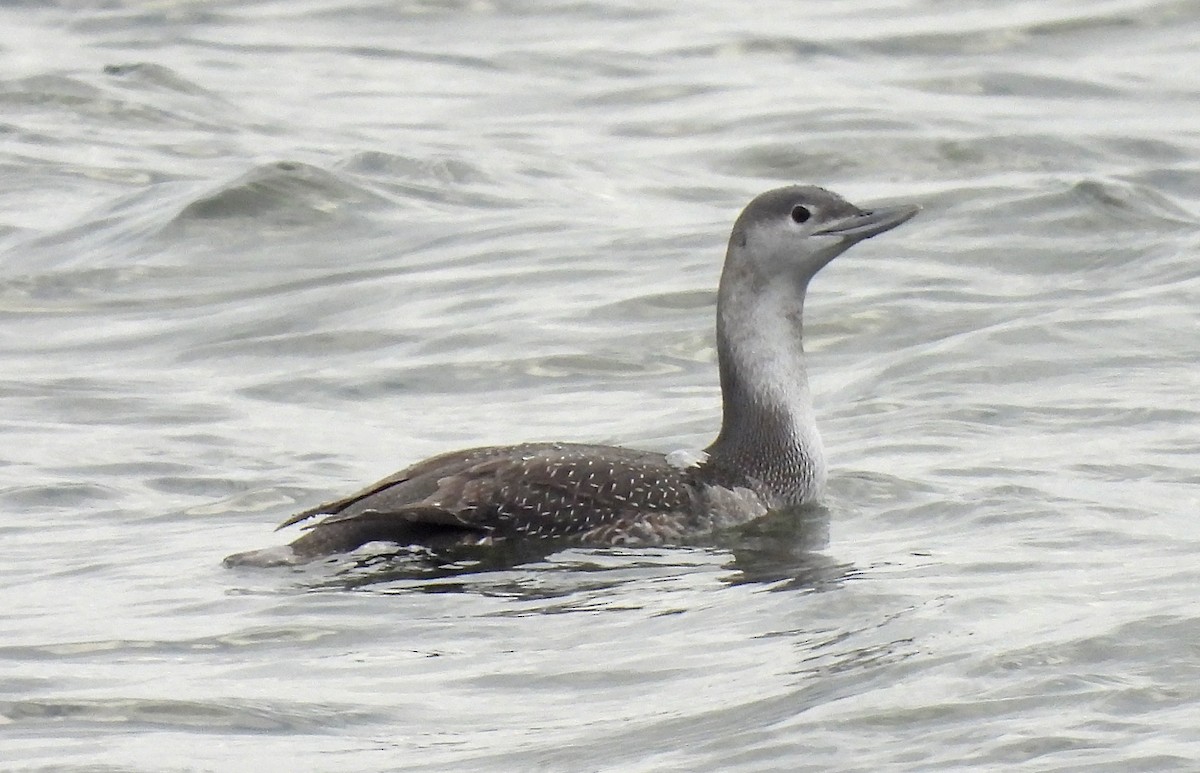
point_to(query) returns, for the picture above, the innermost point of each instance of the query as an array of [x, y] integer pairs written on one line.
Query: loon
[[766, 457]]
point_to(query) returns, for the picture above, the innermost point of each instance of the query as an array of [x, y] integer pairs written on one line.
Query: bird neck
[[768, 439]]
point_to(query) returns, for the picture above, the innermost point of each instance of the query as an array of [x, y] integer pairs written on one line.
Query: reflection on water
[[783, 547], [786, 548]]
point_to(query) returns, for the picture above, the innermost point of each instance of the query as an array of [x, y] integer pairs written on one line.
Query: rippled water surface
[[256, 254]]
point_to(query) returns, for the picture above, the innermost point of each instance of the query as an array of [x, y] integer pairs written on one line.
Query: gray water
[[258, 254]]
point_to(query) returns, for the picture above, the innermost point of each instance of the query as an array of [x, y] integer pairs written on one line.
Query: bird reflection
[[785, 547], [782, 549]]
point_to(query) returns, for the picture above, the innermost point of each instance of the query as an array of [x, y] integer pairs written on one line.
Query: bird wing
[[540, 490], [406, 487]]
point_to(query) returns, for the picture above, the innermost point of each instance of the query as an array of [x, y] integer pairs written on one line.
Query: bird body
[[767, 456]]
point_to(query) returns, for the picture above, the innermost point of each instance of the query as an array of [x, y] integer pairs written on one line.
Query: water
[[257, 254]]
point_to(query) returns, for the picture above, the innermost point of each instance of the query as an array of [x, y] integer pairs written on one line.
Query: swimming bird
[[766, 457]]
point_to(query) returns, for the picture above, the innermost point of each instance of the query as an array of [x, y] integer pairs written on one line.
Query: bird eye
[[801, 214]]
